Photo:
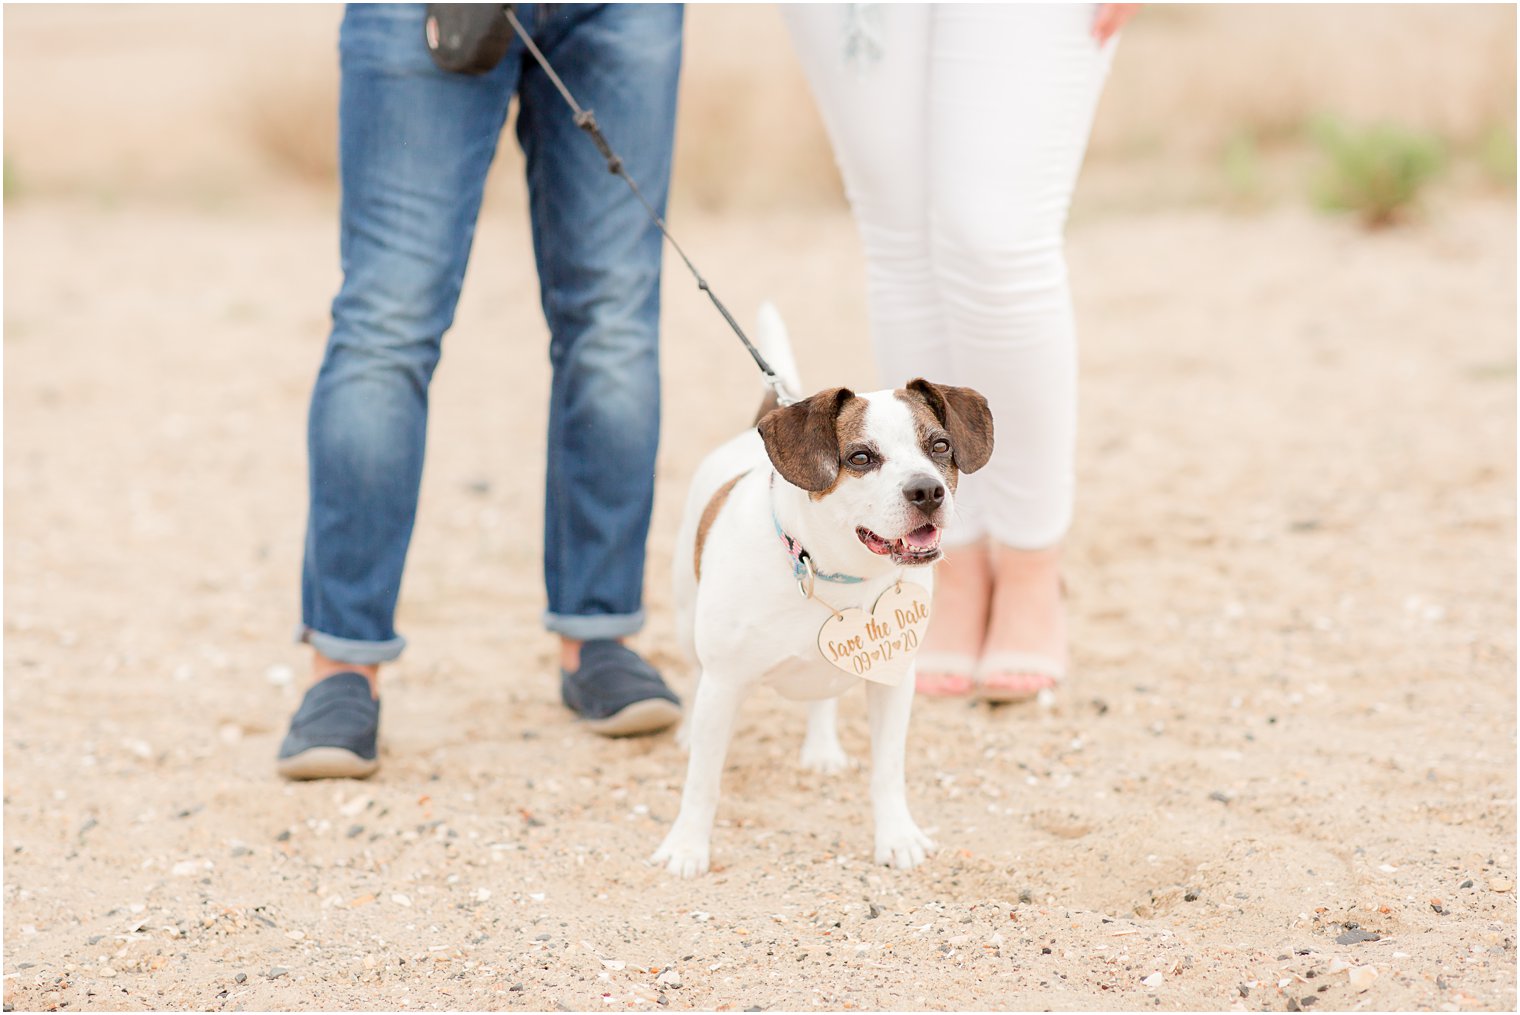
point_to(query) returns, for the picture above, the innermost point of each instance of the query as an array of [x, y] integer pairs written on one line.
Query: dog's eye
[[940, 447], [860, 459]]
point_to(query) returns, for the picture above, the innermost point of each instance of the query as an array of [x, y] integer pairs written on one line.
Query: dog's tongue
[[925, 537]]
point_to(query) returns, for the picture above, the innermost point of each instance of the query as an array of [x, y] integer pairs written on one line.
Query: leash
[[585, 119]]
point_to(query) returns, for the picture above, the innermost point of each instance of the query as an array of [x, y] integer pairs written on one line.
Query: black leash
[[585, 119]]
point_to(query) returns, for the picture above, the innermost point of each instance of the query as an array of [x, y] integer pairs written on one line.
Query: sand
[[1282, 772], [1292, 707]]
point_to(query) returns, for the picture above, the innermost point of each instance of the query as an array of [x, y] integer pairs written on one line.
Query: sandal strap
[[1034, 663], [956, 663]]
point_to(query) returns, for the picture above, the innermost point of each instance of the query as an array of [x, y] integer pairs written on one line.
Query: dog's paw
[[826, 759], [903, 846], [683, 857]]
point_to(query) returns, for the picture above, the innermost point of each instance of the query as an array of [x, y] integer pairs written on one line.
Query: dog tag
[[881, 644]]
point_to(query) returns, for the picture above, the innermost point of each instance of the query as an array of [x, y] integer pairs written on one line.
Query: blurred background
[[1238, 107], [1291, 574]]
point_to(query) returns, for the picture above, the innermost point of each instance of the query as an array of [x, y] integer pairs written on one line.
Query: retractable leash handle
[[585, 119], [466, 38]]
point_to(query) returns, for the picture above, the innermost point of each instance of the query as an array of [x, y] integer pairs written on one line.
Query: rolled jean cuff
[[346, 650], [605, 625]]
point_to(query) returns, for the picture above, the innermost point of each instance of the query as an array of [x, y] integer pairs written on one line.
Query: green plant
[[1496, 153], [1377, 172]]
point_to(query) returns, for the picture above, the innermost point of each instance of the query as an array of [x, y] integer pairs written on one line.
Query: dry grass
[[742, 144], [748, 137], [292, 120], [1188, 84], [1192, 89], [1187, 80]]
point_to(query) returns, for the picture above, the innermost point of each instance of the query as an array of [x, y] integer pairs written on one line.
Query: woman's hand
[[1110, 18]]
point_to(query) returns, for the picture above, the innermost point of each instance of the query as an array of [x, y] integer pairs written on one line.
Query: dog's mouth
[[921, 546]]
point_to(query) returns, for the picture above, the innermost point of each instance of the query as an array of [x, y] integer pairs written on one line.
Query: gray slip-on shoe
[[333, 734], [616, 693]]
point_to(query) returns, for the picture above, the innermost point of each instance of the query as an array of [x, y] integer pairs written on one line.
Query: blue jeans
[[415, 145]]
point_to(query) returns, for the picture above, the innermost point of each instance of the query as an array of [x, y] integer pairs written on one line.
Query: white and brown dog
[[843, 496]]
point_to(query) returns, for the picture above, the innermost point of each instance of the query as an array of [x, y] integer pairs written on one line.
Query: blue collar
[[800, 559]]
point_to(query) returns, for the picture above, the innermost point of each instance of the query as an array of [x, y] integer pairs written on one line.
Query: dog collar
[[802, 561]]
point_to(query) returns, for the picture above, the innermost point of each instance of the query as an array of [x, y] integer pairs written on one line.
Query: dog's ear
[[802, 439], [964, 413]]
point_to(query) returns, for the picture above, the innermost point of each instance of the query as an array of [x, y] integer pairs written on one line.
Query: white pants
[[959, 130]]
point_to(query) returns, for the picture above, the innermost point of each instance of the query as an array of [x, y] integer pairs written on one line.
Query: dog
[[842, 498]]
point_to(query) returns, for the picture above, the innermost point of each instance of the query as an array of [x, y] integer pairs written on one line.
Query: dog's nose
[[925, 493]]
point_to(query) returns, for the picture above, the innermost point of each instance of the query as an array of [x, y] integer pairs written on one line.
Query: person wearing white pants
[[959, 130]]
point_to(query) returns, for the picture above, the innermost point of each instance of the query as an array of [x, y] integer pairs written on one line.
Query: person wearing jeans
[[415, 146], [959, 130]]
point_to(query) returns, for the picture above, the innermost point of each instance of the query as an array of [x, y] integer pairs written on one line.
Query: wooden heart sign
[[881, 644]]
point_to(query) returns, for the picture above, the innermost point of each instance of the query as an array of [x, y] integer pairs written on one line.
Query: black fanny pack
[[467, 38]]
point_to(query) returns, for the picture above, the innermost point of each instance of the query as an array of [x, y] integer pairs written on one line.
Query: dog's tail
[[772, 341]]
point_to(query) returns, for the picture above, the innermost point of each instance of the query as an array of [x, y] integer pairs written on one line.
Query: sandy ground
[[1292, 714], [1291, 722]]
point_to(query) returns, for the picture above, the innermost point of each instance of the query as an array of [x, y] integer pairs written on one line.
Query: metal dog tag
[[881, 644]]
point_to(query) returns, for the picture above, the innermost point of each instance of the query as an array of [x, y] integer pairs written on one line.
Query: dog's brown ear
[[802, 439], [964, 413]]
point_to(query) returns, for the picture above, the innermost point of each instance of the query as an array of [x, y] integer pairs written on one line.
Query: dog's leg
[[821, 751], [683, 731], [685, 849], [899, 841]]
